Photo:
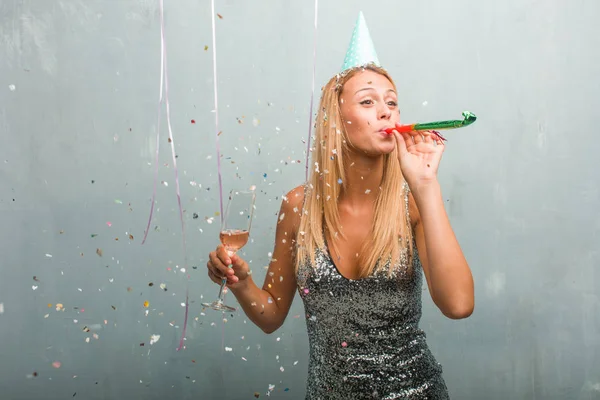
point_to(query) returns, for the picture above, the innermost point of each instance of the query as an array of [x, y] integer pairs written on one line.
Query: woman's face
[[368, 105]]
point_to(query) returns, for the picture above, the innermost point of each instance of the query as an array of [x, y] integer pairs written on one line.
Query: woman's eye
[[392, 103], [366, 102]]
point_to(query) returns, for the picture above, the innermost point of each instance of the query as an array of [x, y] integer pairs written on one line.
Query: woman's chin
[[387, 149]]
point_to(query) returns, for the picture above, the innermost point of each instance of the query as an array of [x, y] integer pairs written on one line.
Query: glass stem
[[224, 281], [222, 290]]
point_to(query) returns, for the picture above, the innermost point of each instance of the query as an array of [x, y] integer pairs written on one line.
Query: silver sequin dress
[[364, 336]]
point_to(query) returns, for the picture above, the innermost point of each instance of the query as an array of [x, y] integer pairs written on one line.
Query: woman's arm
[[448, 275], [268, 307]]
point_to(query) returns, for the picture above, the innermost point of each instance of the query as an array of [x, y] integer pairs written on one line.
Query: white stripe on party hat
[[361, 50]]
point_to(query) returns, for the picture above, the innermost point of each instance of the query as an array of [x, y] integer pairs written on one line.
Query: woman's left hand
[[419, 154]]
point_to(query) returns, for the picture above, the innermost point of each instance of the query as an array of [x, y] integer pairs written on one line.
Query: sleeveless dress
[[364, 335]]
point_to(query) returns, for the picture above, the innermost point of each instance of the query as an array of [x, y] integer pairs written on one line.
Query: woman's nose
[[385, 113]]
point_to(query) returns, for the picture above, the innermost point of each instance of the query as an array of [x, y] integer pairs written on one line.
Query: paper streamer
[[312, 94], [214, 51], [164, 81]]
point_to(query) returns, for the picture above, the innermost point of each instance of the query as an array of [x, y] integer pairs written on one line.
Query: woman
[[353, 241]]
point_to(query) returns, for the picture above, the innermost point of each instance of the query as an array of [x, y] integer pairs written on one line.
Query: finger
[[408, 140], [218, 279], [417, 137], [427, 137], [400, 143], [212, 271], [213, 277], [218, 265], [223, 254]]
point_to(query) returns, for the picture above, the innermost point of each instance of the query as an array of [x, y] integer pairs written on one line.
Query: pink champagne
[[234, 239]]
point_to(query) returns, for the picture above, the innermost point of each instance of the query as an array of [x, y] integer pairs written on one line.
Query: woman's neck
[[363, 179]]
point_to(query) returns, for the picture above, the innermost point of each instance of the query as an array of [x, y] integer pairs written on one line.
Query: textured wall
[[79, 85]]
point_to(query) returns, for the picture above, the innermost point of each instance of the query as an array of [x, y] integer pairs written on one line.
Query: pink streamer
[[214, 49], [164, 79], [312, 94]]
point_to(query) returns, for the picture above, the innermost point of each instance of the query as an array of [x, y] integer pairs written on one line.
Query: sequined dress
[[364, 336]]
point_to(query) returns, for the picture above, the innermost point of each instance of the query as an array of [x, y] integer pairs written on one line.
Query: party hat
[[361, 50]]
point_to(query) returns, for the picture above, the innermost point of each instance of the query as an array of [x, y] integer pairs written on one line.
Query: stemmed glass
[[235, 232]]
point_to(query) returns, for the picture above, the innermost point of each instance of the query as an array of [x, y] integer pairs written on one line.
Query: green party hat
[[361, 50]]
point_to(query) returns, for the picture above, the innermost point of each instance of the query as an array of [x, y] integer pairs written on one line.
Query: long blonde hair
[[322, 191]]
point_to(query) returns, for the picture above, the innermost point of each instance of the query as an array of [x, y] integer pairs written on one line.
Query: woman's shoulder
[[294, 199], [292, 204]]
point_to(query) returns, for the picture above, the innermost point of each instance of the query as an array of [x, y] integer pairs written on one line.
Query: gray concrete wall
[[79, 86]]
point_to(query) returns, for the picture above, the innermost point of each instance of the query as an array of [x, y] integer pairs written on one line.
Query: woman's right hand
[[217, 266]]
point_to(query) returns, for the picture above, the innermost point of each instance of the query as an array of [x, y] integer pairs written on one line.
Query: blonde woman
[[355, 242]]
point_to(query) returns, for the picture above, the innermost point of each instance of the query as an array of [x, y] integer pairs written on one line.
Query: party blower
[[435, 126]]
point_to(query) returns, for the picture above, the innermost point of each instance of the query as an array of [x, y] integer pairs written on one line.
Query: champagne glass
[[235, 232]]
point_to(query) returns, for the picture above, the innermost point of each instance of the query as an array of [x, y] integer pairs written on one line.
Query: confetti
[[146, 304], [1, 308], [99, 252], [228, 349], [12, 88], [109, 224], [154, 339], [56, 364]]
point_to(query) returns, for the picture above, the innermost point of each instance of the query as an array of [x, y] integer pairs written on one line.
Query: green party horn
[[434, 126]]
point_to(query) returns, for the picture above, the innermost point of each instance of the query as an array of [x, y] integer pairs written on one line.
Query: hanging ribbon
[[164, 81], [214, 51], [312, 94]]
